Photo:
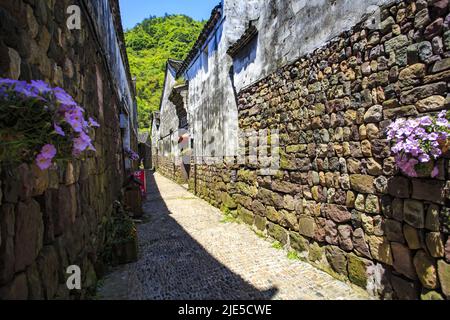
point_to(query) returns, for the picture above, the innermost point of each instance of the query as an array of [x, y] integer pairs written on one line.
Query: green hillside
[[149, 45]]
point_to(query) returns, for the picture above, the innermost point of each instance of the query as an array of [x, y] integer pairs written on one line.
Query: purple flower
[[433, 136], [63, 97], [42, 162], [7, 82], [82, 143], [74, 120], [442, 122], [426, 121], [93, 123], [40, 86], [424, 158], [48, 151], [59, 130]]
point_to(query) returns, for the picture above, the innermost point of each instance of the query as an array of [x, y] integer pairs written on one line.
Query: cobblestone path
[[187, 252]]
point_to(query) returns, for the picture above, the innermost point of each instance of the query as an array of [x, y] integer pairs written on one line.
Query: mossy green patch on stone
[[260, 223], [315, 252], [431, 295], [228, 218], [277, 232], [228, 201], [246, 189], [260, 234], [297, 242], [277, 245], [245, 215], [357, 270], [293, 255]]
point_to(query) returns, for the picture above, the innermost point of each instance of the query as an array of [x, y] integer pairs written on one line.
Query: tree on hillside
[[149, 45]]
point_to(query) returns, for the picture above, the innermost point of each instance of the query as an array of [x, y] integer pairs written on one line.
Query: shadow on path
[[173, 265]]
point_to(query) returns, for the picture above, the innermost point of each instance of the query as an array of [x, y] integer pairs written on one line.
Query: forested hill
[[149, 45]]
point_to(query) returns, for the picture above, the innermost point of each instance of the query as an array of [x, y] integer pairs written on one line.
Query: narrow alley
[[188, 251]]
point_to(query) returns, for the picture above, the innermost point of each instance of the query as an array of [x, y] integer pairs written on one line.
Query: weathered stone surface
[[307, 226], [374, 114], [444, 277], [49, 267], [403, 260], [260, 223], [7, 255], [246, 215], [29, 231], [394, 231], [357, 270], [277, 232], [15, 64], [228, 201], [316, 252], [41, 180], [362, 183], [434, 244], [411, 75], [412, 237], [426, 270], [337, 259], [270, 198], [372, 204], [297, 242], [337, 213], [432, 218], [397, 209], [396, 43], [447, 250], [273, 215], [441, 65], [284, 186], [67, 209], [422, 92], [359, 243], [380, 249], [345, 237], [431, 295], [15, 290], [414, 213], [399, 187], [433, 103], [429, 190], [404, 290], [34, 283], [289, 220]]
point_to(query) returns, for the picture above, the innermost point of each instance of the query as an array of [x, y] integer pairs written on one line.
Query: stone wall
[[167, 167], [339, 199], [53, 219]]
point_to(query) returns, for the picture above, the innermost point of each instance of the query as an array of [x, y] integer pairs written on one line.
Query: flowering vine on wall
[[41, 124], [419, 142], [131, 154]]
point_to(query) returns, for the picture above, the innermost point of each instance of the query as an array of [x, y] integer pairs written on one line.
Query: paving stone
[[187, 253]]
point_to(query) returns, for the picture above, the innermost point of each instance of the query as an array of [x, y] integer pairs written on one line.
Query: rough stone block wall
[[167, 167], [53, 219], [339, 199]]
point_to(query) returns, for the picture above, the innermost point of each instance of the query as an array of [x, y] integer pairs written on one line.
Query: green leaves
[[149, 45]]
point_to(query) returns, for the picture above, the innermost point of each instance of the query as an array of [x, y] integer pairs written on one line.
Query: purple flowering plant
[[41, 124], [131, 154], [417, 143]]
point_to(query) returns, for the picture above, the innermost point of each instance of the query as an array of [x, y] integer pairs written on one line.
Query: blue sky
[[134, 11]]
